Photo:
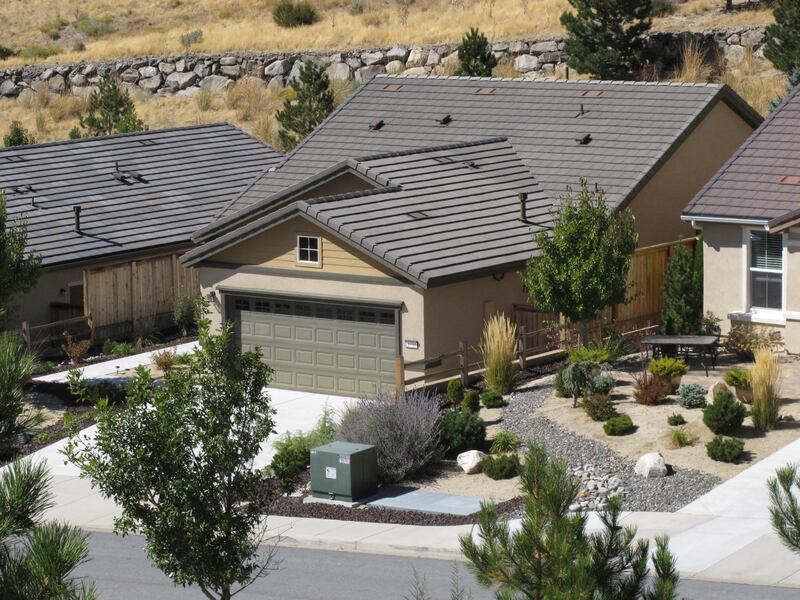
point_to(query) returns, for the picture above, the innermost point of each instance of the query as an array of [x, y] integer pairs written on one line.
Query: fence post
[[521, 347], [399, 375], [463, 363], [26, 334]]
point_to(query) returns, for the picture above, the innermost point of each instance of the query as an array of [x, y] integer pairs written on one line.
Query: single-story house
[[749, 215], [401, 222], [109, 215]]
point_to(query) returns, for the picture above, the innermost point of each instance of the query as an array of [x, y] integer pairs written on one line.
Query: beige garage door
[[319, 346]]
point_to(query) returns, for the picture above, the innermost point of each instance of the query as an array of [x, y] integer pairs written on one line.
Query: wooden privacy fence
[[136, 295], [37, 337]]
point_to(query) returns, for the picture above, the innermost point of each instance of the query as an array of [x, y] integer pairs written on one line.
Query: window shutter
[[766, 250]]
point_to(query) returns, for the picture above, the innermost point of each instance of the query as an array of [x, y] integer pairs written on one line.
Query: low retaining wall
[[184, 75]]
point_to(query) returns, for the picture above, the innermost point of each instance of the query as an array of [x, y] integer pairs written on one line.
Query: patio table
[[702, 345]]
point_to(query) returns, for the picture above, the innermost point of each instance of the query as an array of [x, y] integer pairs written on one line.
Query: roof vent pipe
[[523, 212], [77, 210]]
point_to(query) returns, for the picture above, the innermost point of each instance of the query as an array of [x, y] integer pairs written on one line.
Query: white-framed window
[[308, 249], [765, 271]]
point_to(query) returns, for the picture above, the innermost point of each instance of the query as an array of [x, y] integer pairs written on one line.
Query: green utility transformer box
[[344, 471]]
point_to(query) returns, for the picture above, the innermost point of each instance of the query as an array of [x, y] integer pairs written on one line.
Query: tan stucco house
[[402, 221], [749, 215]]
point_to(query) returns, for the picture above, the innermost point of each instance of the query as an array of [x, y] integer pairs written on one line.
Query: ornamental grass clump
[[765, 381], [498, 348], [405, 431], [679, 438]]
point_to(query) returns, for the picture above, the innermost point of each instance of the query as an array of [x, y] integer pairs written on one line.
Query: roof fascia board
[[123, 256], [729, 220], [512, 267], [310, 297], [305, 274]]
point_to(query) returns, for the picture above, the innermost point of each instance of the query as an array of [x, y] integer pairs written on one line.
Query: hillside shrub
[[190, 38], [294, 14], [93, 27], [185, 312], [37, 52], [462, 430], [455, 392], [599, 407], [293, 452], [405, 431], [471, 401], [165, 359], [501, 466], [725, 449], [492, 399], [5, 52], [692, 395], [620, 425], [504, 442], [676, 419], [725, 414]]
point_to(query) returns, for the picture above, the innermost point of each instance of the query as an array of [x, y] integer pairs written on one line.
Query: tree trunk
[[584, 329], [728, 4]]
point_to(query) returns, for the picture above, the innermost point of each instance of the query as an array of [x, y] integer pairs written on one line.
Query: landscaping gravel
[[602, 470]]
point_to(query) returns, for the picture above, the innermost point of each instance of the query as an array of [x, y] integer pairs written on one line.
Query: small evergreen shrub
[[191, 38], [590, 354], [668, 367], [462, 430], [5, 52], [602, 384], [293, 452], [737, 377], [680, 438], [94, 27], [471, 401], [725, 414], [599, 407], [692, 395], [662, 8], [290, 14], [676, 419], [501, 466], [620, 425], [561, 390], [455, 391], [492, 399], [185, 312], [725, 449], [577, 377], [504, 442]]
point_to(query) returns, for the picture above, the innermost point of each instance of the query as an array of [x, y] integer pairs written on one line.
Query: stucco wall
[[658, 206], [34, 306]]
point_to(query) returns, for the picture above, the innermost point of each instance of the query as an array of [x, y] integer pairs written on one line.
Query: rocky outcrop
[[167, 75]]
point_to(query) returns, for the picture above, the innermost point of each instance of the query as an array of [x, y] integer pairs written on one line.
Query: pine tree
[[475, 58], [784, 508], [111, 110], [313, 102], [17, 136], [683, 292], [19, 268], [606, 37], [552, 556], [783, 37]]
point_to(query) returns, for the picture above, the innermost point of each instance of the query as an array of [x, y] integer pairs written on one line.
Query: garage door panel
[[325, 359], [346, 385], [346, 337], [282, 331], [282, 377], [324, 336], [304, 334], [388, 342], [367, 387], [368, 363], [262, 329], [326, 383], [346, 361], [387, 366], [304, 379], [283, 354], [367, 340], [304, 357]]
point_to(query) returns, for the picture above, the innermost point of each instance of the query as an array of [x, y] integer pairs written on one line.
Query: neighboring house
[[400, 223], [749, 215], [109, 215]]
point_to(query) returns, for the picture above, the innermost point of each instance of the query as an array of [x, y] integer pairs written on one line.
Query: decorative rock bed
[[602, 470]]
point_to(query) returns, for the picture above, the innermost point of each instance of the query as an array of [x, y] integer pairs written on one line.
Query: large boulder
[[166, 67], [416, 71], [752, 38], [228, 61], [715, 389], [433, 59], [129, 76], [397, 53], [340, 71], [231, 70], [470, 461], [279, 67], [525, 63], [548, 46], [373, 58], [394, 67], [147, 72], [417, 57], [26, 96], [151, 84], [364, 74], [8, 88], [180, 81], [57, 84], [216, 83], [651, 465]]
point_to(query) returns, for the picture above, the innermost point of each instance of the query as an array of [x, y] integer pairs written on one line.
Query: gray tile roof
[[188, 174], [749, 185], [419, 220], [633, 128]]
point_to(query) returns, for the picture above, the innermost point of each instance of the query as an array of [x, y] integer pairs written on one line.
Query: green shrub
[[692, 395], [455, 391], [599, 407], [504, 442], [289, 14], [492, 399], [602, 384], [185, 312], [93, 27], [36, 52], [725, 449], [744, 339], [293, 452], [680, 438], [462, 430], [471, 401], [501, 466], [737, 377], [112, 348], [725, 414], [662, 8], [191, 37], [16, 367], [620, 425], [668, 367], [590, 354], [676, 419], [5, 52], [561, 389], [649, 389], [577, 377]]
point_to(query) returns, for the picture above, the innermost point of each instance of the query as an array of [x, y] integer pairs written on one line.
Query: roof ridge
[[116, 136], [425, 149], [620, 82]]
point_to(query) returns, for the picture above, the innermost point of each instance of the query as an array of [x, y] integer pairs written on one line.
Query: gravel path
[[602, 470]]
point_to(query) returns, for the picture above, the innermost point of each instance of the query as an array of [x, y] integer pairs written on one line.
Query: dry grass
[[756, 82], [247, 24], [694, 67], [765, 381], [498, 349]]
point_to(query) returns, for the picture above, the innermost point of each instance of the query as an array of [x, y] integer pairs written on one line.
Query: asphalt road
[[122, 572]]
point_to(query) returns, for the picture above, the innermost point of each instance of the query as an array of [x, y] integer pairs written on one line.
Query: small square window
[[345, 314], [302, 310], [367, 316], [241, 304], [262, 306], [386, 318], [324, 312], [283, 308], [308, 249]]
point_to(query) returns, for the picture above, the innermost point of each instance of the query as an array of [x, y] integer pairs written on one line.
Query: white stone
[[372, 58], [451, 60], [715, 389], [189, 92], [416, 71], [216, 83], [339, 70], [752, 38], [147, 72], [397, 53], [417, 57], [279, 67], [364, 74], [275, 84], [8, 88], [166, 68], [734, 54], [433, 59], [151, 84], [394, 67], [525, 63], [651, 465], [179, 81], [549, 46], [470, 461]]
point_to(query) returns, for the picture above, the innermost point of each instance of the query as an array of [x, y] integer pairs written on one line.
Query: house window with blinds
[[766, 270]]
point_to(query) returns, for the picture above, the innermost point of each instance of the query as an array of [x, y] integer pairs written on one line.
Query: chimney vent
[[523, 209], [77, 210]]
